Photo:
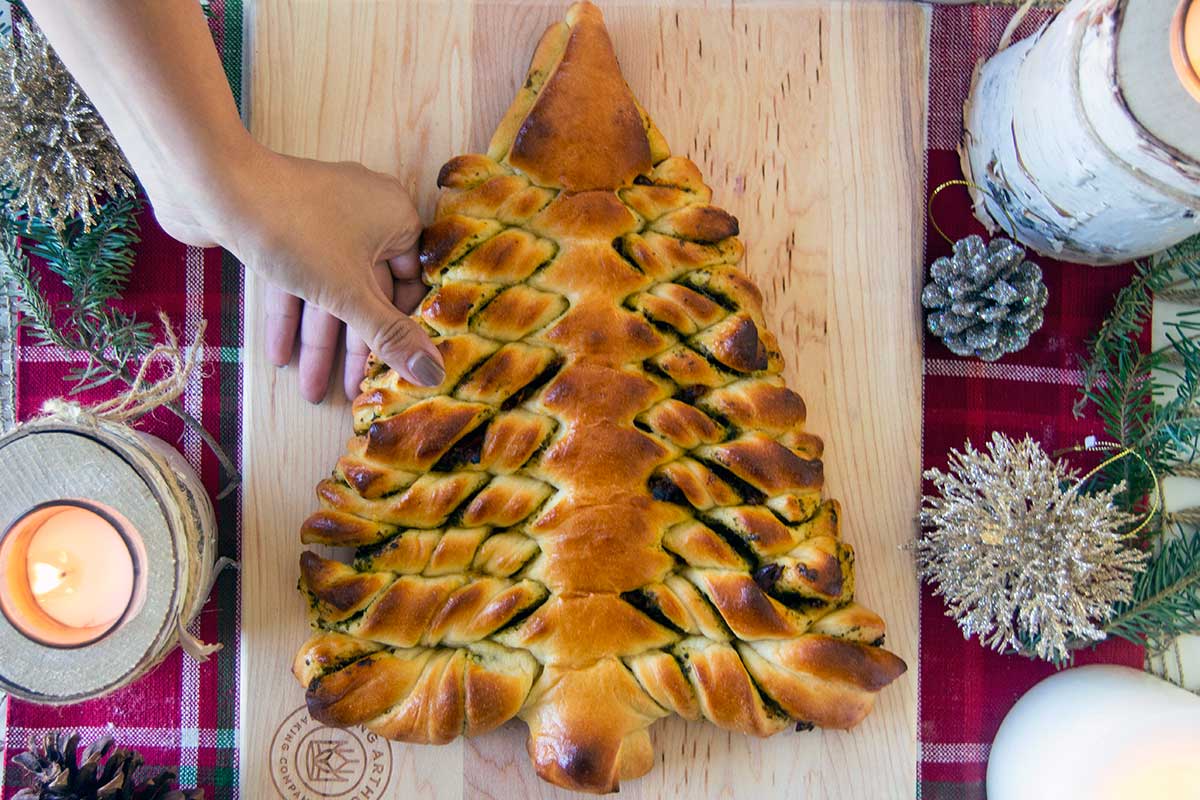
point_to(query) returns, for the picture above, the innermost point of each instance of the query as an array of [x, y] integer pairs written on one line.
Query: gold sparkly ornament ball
[[1025, 560], [57, 157]]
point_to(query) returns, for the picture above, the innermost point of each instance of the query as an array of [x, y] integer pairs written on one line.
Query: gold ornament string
[[1092, 446], [969, 185]]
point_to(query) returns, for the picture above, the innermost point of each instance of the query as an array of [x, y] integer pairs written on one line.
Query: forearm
[[319, 231], [150, 68]]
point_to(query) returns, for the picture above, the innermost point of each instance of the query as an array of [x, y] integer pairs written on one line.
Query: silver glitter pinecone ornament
[[985, 300]]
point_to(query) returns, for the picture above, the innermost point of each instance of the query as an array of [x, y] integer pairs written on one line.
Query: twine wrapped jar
[[142, 486]]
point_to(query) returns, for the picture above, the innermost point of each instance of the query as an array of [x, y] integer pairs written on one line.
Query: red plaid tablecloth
[[965, 690], [186, 715], [182, 714]]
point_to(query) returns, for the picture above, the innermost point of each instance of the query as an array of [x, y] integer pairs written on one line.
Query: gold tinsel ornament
[[1025, 560], [57, 157]]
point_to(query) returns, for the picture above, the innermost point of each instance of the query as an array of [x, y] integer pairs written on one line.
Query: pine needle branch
[[1166, 601], [1139, 411], [94, 264]]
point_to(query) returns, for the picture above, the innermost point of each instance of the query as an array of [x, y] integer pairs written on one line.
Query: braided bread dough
[[610, 510]]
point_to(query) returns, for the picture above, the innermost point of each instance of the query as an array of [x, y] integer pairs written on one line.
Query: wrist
[[247, 199], [204, 195]]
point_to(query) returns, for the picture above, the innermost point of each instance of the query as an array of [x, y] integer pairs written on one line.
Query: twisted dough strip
[[424, 695], [407, 610], [828, 677]]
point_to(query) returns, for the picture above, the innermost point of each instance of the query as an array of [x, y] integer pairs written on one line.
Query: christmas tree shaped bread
[[609, 511]]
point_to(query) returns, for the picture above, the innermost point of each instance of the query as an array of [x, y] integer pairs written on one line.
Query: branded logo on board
[[310, 761]]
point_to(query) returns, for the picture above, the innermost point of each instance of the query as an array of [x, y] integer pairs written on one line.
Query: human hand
[[337, 242], [336, 235]]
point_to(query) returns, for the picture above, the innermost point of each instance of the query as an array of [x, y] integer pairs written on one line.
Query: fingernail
[[427, 371]]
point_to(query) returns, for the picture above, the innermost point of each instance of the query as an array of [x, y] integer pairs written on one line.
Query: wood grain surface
[[807, 121]]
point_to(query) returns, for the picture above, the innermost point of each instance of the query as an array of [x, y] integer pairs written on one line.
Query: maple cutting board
[[807, 121]]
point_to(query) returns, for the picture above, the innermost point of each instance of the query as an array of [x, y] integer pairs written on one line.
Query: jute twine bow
[[145, 395]]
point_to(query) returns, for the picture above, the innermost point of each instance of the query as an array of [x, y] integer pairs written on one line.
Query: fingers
[[356, 363], [396, 339], [356, 349], [379, 224], [407, 273], [405, 266], [283, 317], [318, 346]]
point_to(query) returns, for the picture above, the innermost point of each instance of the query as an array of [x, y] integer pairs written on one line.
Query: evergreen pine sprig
[[94, 263], [1166, 601], [1139, 410], [1160, 420]]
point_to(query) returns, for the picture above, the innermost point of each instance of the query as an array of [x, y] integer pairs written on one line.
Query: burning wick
[[45, 578], [80, 571], [67, 573]]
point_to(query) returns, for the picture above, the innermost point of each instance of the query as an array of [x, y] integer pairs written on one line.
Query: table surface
[[807, 120]]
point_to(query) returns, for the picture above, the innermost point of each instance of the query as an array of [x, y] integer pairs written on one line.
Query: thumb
[[393, 216], [399, 341]]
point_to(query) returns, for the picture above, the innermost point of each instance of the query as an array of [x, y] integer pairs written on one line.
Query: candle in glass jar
[[1185, 45], [70, 573]]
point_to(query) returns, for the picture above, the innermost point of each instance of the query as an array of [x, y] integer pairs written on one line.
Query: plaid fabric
[[965, 690], [186, 715], [182, 714]]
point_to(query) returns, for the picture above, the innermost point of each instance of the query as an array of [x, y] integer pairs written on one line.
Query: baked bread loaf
[[610, 510]]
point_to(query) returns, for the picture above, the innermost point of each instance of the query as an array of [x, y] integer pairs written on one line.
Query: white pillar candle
[[1099, 732]]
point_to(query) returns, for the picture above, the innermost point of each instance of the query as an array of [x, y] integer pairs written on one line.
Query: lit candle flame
[[45, 578]]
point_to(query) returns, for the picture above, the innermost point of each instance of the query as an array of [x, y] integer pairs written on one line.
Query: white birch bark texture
[[1050, 136]]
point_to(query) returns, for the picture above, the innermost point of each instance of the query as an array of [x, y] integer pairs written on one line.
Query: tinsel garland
[[57, 157]]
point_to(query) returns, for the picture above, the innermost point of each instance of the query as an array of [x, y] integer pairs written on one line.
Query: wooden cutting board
[[807, 120]]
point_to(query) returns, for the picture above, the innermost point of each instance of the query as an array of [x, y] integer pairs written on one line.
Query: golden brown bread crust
[[600, 143], [609, 511]]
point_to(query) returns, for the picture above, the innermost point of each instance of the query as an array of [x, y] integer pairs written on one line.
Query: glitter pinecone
[[985, 300], [57, 157]]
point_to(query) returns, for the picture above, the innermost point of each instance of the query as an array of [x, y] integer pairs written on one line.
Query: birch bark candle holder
[[1087, 134], [106, 554]]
